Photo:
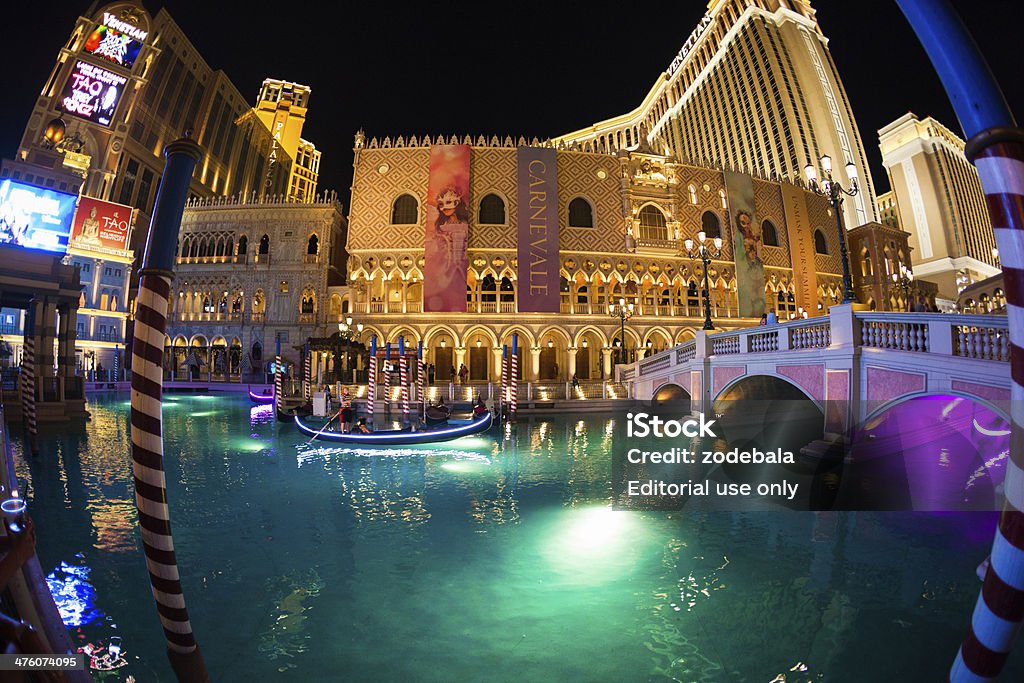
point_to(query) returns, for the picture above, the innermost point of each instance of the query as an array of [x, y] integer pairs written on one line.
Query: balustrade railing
[[686, 352], [809, 334], [761, 342], [901, 335], [725, 344], [986, 343]]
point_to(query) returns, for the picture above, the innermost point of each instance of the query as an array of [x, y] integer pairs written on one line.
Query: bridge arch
[[769, 412], [671, 392]]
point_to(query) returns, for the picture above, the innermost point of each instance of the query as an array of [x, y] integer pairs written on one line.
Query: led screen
[[114, 46], [92, 93], [35, 218]]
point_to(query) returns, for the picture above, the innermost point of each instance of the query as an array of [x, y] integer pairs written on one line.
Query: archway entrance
[[443, 363], [549, 363], [478, 363]]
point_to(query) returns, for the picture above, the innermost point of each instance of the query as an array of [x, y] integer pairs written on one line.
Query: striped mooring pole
[[513, 378], [420, 372], [371, 384], [996, 146], [28, 390], [503, 395], [307, 376], [278, 380], [403, 378], [387, 379], [146, 412]]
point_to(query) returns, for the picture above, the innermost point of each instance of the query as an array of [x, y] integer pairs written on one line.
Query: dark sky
[[528, 68]]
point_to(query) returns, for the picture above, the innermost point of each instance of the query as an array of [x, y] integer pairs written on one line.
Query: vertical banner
[[801, 247], [538, 230], [746, 239], [447, 231]]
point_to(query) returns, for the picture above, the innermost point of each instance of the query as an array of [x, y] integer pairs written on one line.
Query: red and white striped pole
[[403, 378], [513, 379], [371, 383], [28, 391], [996, 146], [146, 414], [278, 380], [420, 372], [503, 397], [307, 376], [387, 379]]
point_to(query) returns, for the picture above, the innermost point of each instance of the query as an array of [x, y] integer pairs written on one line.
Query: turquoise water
[[485, 560]]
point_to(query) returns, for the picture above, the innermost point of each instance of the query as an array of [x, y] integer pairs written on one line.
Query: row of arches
[[220, 247]]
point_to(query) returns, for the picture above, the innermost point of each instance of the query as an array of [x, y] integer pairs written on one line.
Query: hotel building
[[123, 85], [622, 220], [939, 201], [754, 88]]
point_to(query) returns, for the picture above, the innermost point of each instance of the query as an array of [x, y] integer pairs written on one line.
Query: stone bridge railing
[[979, 337]]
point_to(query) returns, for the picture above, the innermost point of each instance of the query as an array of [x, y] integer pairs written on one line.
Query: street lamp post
[[345, 331], [903, 281], [833, 192], [704, 251], [623, 312]]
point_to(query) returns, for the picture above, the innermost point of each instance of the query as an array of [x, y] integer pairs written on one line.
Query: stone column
[[606, 361], [495, 371], [534, 364], [570, 363]]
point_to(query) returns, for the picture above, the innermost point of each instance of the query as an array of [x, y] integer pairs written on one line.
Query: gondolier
[[346, 410]]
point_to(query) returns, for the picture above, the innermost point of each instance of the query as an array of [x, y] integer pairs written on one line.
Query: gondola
[[261, 399], [295, 412], [400, 437]]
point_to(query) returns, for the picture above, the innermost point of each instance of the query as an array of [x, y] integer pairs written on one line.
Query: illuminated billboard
[[92, 93], [115, 46], [35, 218], [101, 225]]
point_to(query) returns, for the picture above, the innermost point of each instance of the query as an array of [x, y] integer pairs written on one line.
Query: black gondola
[[401, 437]]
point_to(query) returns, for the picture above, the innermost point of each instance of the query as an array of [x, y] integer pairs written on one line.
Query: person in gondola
[[346, 410], [480, 407], [362, 427]]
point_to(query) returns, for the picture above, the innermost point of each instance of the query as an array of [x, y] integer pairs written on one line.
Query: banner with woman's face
[[746, 240], [447, 230]]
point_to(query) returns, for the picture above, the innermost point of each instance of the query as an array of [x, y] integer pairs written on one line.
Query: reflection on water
[[471, 559]]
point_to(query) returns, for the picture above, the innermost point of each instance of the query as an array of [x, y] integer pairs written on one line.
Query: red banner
[[101, 225], [447, 230]]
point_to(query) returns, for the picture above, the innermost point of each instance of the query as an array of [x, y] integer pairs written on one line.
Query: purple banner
[[538, 230]]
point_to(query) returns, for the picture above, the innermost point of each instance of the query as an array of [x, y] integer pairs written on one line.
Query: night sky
[[525, 69]]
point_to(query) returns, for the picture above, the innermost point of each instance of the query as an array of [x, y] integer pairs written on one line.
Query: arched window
[[489, 287], [243, 245], [257, 351], [492, 210], [312, 245], [265, 245], [711, 224], [581, 215], [307, 304], [820, 245], [865, 260], [507, 290], [693, 194], [769, 235], [652, 224], [405, 210], [185, 245]]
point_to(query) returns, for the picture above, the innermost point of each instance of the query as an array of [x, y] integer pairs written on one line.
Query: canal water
[[487, 559]]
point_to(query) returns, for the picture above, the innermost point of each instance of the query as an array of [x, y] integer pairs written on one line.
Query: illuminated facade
[[622, 219], [124, 93], [753, 88], [249, 273], [939, 200], [282, 108]]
